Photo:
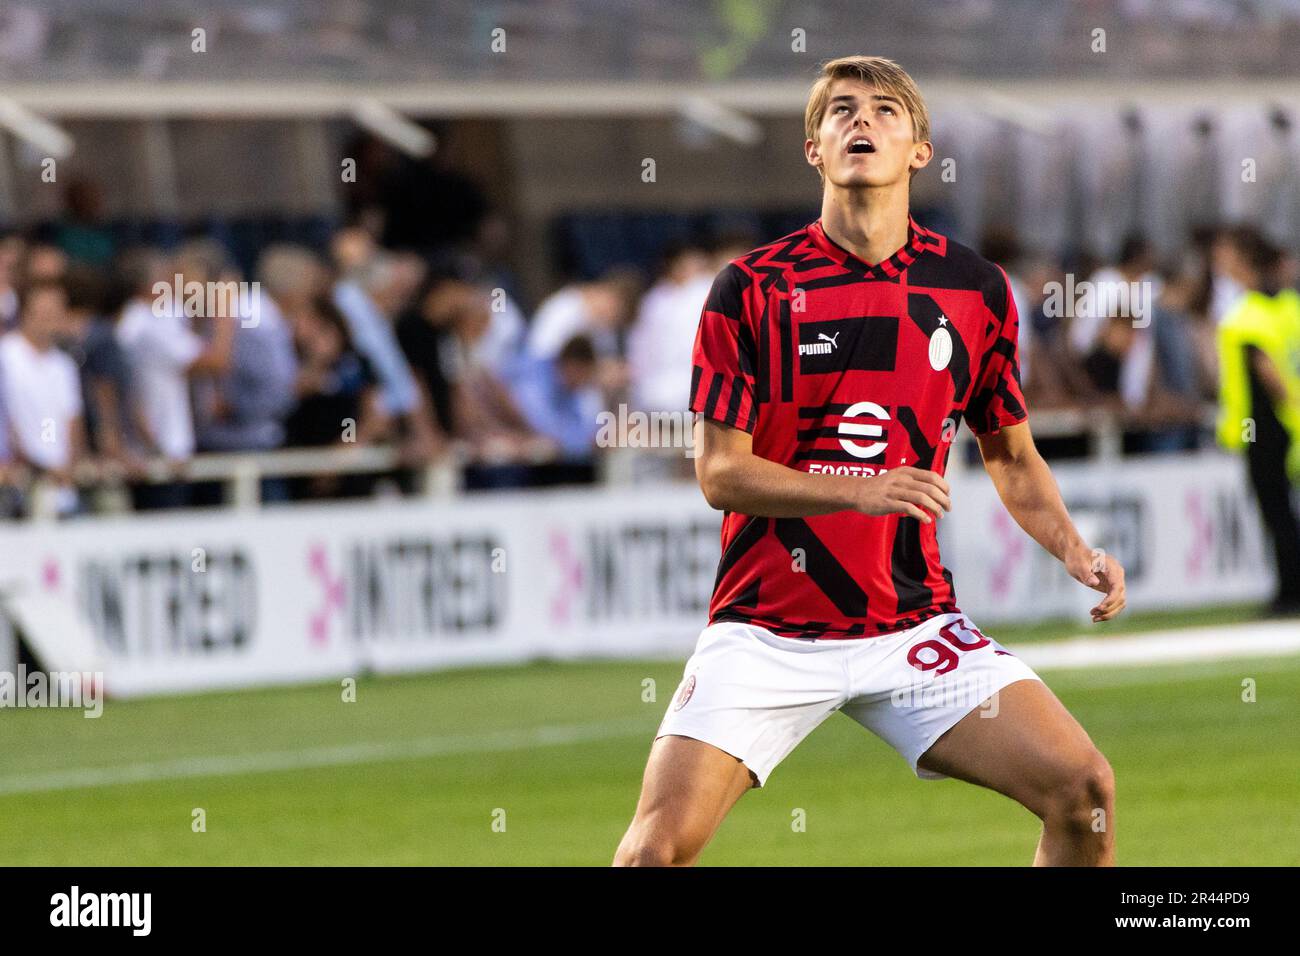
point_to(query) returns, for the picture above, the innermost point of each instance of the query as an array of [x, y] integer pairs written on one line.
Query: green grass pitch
[[418, 769]]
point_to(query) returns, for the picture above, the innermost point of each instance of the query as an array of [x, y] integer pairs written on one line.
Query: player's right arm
[[733, 478]]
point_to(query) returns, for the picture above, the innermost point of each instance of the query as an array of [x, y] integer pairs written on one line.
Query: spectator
[[42, 394], [503, 341], [163, 352], [1111, 344], [599, 310], [105, 376], [1057, 379], [424, 332], [337, 394], [358, 297], [560, 401], [1260, 394], [660, 342], [1128, 357], [1177, 369], [82, 234], [487, 419], [245, 407], [443, 336], [595, 309], [1191, 292]]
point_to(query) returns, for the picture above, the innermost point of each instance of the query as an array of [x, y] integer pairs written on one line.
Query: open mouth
[[862, 145]]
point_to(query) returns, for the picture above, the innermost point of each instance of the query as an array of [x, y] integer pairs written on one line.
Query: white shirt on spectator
[[562, 316], [159, 350], [661, 343], [1112, 293], [42, 396], [503, 338], [558, 319]]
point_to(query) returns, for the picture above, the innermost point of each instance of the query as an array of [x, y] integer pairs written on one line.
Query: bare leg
[[688, 789], [1036, 753]]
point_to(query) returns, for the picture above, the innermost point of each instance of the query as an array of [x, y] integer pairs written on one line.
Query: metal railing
[[241, 473], [1102, 430]]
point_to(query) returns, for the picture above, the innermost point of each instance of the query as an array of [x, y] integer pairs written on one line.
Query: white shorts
[[756, 695]]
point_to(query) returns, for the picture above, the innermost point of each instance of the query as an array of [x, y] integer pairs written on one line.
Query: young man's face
[[865, 138]]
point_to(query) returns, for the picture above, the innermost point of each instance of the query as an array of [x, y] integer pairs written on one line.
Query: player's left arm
[[1029, 492]]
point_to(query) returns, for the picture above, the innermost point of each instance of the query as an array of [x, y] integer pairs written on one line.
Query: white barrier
[[1185, 527], [202, 600]]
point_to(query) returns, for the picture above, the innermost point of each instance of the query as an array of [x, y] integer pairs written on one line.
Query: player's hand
[[1101, 572], [915, 492]]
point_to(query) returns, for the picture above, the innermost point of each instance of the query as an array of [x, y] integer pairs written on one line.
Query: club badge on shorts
[[684, 695]]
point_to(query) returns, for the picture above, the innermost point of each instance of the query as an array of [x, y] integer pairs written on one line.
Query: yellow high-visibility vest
[[1271, 324]]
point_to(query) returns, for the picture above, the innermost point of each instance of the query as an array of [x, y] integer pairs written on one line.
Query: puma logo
[[818, 348]]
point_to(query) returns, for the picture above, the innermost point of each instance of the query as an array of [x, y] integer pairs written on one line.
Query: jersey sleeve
[[724, 365], [997, 399]]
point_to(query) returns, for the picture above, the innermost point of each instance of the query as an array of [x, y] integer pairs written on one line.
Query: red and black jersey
[[839, 367]]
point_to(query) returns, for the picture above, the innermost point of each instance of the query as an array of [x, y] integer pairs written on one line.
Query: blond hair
[[885, 75]]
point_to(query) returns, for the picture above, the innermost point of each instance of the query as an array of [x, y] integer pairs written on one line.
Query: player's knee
[[644, 847], [644, 854], [1084, 798]]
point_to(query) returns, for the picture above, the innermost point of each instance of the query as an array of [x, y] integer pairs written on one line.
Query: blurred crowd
[[114, 363], [1133, 336], [115, 372]]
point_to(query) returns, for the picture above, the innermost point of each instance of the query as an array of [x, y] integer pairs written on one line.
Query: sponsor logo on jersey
[[859, 471], [866, 343], [820, 348], [849, 439], [871, 428]]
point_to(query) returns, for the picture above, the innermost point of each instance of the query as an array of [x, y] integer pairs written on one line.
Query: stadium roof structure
[[507, 99], [375, 43], [720, 63]]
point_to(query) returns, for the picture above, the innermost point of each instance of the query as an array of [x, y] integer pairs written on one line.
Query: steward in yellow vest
[[1271, 325], [1259, 394]]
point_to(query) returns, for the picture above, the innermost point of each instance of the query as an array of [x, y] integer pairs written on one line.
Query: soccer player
[[831, 369]]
